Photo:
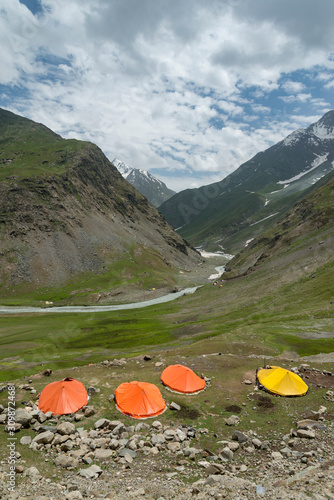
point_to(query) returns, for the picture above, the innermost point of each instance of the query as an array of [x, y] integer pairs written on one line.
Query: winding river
[[117, 307], [89, 309]]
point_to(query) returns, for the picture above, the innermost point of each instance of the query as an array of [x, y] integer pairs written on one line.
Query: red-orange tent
[[63, 397], [139, 399], [182, 379]]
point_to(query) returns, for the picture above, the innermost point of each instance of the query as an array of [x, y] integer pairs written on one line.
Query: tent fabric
[[182, 379], [63, 397], [139, 399], [281, 381]]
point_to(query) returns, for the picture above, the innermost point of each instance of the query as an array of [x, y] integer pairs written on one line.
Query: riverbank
[[132, 297]]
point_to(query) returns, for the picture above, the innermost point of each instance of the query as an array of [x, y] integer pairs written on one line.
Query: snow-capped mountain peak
[[154, 189], [123, 169], [324, 128], [294, 137]]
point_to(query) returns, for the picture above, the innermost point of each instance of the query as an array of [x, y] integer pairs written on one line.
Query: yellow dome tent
[[283, 382]]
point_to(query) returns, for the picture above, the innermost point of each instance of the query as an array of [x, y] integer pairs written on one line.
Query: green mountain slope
[[68, 218], [306, 232], [229, 213]]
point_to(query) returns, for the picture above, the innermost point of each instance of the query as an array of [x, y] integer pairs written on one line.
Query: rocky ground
[[100, 458]]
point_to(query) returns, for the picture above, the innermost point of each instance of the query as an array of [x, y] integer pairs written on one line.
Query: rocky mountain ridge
[[60, 218], [229, 213], [152, 188]]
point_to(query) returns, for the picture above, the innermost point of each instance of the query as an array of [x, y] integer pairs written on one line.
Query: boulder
[[240, 437], [23, 417], [132, 453], [114, 444], [304, 433], [276, 455], [257, 443], [226, 453], [174, 446], [158, 439], [66, 428], [91, 472], [31, 472], [232, 420], [25, 440], [181, 435], [102, 454], [43, 438], [101, 423], [88, 411], [65, 461]]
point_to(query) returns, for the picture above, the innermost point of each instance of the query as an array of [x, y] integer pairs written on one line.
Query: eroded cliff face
[[55, 226]]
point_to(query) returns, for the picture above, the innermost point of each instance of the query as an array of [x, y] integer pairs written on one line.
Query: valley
[[81, 236]]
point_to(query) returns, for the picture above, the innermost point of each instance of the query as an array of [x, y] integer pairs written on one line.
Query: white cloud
[[160, 84]]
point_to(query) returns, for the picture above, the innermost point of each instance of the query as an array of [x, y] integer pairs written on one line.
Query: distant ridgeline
[[152, 188], [228, 214]]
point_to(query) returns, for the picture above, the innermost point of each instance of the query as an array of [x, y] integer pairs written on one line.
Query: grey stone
[[303, 433], [123, 451], [25, 440], [169, 434], [66, 428], [91, 472], [74, 495], [128, 458], [257, 443], [43, 438], [65, 461], [158, 439], [41, 417], [239, 436], [101, 423], [114, 444], [16, 427], [232, 420], [174, 446], [226, 453], [88, 411], [137, 493], [181, 435], [276, 455], [102, 454], [113, 424], [174, 406], [32, 471], [67, 446], [23, 417]]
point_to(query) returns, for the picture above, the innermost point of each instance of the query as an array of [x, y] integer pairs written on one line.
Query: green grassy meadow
[[251, 315]]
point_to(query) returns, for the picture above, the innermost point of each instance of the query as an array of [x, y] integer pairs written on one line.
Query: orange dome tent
[[63, 397], [182, 379], [139, 399]]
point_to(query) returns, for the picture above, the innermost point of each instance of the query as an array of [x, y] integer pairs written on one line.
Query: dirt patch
[[233, 409], [187, 412], [250, 375], [317, 379], [263, 402]]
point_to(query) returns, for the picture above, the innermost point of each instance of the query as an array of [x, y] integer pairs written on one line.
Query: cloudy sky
[[187, 89]]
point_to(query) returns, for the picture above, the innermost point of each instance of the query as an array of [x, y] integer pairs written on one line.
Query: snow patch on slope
[[322, 132], [294, 137], [316, 162]]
